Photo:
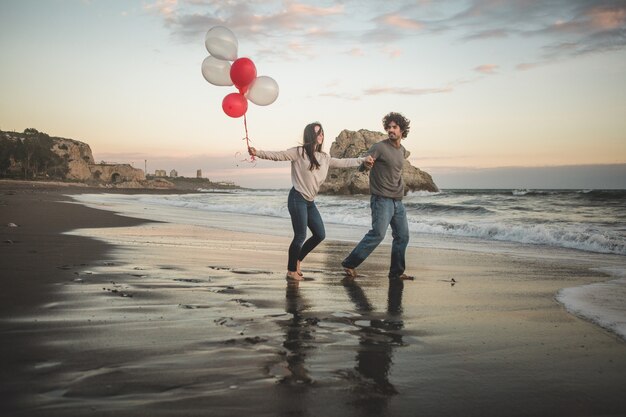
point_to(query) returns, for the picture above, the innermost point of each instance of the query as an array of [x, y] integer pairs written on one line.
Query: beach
[[105, 314]]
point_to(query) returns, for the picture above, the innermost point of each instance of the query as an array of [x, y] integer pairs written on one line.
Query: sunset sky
[[492, 87]]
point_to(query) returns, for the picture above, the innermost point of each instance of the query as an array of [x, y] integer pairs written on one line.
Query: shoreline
[[37, 257], [208, 318]]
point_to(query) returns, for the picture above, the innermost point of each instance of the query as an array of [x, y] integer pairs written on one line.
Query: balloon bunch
[[217, 70]]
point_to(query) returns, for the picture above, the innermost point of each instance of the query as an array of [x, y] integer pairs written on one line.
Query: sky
[[500, 94]]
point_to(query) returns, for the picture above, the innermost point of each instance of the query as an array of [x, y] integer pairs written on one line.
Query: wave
[[520, 192], [565, 236], [600, 303], [562, 235], [446, 208], [457, 218], [618, 196], [430, 218], [423, 193]]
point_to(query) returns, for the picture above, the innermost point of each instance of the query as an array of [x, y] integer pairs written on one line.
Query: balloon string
[[245, 125]]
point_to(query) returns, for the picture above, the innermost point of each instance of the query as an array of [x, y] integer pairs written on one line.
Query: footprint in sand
[[243, 302], [250, 271]]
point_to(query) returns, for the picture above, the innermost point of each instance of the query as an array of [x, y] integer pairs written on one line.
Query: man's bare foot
[[403, 277], [293, 275], [350, 272]]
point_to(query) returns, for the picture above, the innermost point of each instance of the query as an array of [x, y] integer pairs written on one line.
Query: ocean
[[585, 225]]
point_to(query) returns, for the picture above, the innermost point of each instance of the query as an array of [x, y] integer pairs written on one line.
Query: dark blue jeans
[[303, 214], [385, 212]]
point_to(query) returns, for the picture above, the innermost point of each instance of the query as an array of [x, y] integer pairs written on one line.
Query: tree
[[7, 152], [31, 154]]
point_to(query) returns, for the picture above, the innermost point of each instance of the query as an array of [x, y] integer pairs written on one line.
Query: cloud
[[374, 91], [392, 52], [165, 8], [413, 91], [245, 18], [389, 27], [486, 69], [356, 52], [277, 30], [307, 10], [524, 66], [489, 34], [400, 22], [586, 26], [342, 96], [568, 27], [608, 19]]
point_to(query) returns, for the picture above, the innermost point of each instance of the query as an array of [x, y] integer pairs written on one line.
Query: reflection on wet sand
[[377, 340], [298, 336], [367, 385]]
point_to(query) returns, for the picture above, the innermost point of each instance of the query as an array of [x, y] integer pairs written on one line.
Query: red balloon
[[242, 73], [235, 105]]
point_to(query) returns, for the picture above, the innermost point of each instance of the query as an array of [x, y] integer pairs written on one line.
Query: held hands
[[251, 151], [367, 164]]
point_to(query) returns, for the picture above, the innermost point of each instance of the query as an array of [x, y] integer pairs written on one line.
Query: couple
[[309, 166]]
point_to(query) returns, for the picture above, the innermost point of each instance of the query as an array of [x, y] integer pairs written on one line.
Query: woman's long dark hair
[[310, 145]]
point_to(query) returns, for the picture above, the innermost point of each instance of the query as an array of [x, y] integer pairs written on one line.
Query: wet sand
[[162, 319]]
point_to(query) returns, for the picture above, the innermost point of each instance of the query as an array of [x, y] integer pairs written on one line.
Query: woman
[[309, 166]]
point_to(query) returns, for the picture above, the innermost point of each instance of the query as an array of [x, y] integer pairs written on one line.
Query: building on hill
[[173, 173]]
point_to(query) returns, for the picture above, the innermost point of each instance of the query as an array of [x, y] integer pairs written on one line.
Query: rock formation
[[82, 166], [350, 144], [78, 156], [39, 155]]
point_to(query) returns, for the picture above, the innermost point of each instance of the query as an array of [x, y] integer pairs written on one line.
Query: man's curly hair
[[400, 120]]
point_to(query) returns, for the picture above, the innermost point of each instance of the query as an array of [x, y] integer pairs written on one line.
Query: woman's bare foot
[[293, 275], [350, 272]]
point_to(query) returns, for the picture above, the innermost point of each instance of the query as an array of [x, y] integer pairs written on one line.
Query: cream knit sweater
[[305, 181]]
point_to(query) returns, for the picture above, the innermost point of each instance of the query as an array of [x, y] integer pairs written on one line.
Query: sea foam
[[601, 303]]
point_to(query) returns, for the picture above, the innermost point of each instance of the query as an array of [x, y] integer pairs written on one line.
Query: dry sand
[[168, 320]]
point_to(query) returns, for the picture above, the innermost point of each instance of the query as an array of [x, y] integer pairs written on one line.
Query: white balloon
[[263, 91], [221, 43], [216, 71]]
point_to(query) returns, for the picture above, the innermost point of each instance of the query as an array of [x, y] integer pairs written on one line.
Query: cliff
[[78, 156], [36, 155], [350, 144]]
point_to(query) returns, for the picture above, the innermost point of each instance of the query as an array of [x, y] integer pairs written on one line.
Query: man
[[387, 190]]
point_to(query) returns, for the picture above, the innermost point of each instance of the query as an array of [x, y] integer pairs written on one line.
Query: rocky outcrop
[[78, 156], [36, 155], [82, 166], [350, 144], [158, 183]]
